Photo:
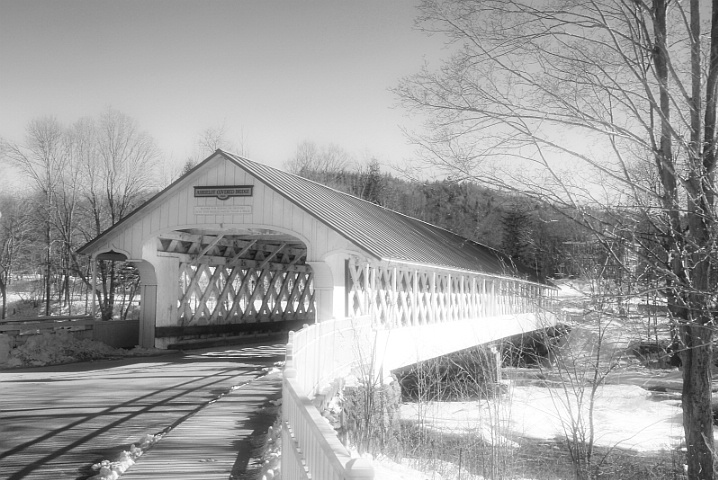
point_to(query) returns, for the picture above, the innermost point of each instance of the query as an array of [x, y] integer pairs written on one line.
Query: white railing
[[325, 351], [401, 295], [320, 353], [315, 355]]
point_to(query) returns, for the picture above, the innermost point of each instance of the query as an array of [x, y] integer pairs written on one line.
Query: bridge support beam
[[166, 272], [329, 288], [148, 303]]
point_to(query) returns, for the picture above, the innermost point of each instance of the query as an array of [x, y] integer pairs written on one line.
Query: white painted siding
[[175, 210]]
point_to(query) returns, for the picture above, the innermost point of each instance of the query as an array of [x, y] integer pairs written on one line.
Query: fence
[[315, 355], [115, 333]]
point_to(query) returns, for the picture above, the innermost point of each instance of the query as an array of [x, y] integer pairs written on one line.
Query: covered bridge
[[234, 246]]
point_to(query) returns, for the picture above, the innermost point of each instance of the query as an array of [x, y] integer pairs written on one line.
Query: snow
[[272, 452], [625, 416], [568, 289], [13, 297], [107, 470], [53, 348], [387, 469], [407, 469]]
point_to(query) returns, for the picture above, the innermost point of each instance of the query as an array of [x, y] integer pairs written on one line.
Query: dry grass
[[531, 459]]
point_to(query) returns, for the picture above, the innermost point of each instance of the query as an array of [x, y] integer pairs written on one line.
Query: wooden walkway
[[55, 422]]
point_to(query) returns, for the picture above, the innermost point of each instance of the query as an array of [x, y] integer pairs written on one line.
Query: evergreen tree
[[517, 236]]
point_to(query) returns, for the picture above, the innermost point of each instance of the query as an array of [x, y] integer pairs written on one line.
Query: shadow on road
[[56, 420]]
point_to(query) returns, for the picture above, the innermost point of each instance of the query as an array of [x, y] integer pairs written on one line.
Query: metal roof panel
[[387, 234]]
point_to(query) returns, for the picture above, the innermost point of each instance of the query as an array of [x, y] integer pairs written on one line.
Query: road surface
[[56, 422]]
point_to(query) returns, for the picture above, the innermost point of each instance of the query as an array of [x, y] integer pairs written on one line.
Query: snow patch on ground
[[625, 416], [566, 288], [272, 452], [107, 470], [406, 469], [53, 348], [409, 469]]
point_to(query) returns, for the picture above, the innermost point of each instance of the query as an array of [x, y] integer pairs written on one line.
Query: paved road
[[55, 422]]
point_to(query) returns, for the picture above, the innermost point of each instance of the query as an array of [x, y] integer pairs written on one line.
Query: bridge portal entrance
[[238, 282]]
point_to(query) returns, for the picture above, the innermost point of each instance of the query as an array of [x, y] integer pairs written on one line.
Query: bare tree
[[320, 164], [42, 158], [15, 238], [89, 177], [118, 161], [594, 103], [216, 137], [126, 157], [208, 141], [66, 213]]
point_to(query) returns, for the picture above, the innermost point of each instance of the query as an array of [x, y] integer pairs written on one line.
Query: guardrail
[[31, 325], [310, 446], [115, 333]]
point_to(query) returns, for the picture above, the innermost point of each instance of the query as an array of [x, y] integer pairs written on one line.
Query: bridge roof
[[385, 233], [381, 232]]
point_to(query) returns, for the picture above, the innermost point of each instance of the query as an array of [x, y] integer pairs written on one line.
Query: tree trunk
[[3, 293], [48, 269], [697, 360]]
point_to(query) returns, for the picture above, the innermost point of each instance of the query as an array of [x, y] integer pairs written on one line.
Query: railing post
[[415, 298], [289, 351], [494, 299], [359, 469], [434, 302], [287, 418]]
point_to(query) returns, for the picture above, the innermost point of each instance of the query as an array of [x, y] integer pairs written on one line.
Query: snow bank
[[52, 348], [408, 469], [49, 348], [625, 416], [570, 289], [272, 450], [107, 470]]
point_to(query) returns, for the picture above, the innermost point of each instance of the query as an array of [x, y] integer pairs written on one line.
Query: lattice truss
[[398, 296], [228, 280]]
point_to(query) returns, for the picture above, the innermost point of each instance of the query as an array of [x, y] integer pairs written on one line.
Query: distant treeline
[[535, 235]]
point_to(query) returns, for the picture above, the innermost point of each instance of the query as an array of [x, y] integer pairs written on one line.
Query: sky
[[273, 72]]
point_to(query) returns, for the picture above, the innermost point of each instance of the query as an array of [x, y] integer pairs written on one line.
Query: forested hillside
[[532, 234]]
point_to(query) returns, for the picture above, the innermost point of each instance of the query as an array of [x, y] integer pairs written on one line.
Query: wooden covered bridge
[[234, 246]]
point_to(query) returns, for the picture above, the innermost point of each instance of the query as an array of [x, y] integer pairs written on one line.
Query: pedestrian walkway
[[219, 442]]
